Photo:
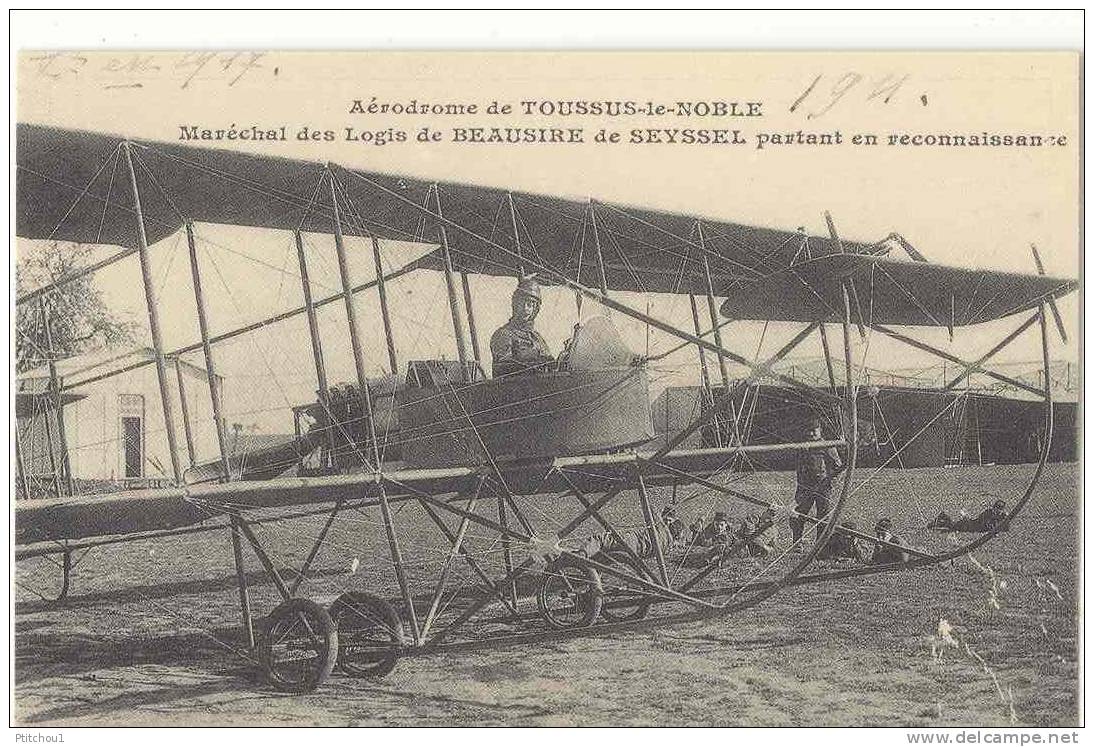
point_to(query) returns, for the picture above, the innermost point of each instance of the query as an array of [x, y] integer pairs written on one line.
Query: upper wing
[[888, 291], [76, 186]]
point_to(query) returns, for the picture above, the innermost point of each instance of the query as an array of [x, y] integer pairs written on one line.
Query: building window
[[131, 411]]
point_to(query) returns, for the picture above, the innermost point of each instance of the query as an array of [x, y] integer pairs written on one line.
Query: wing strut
[[153, 319], [313, 335], [850, 284], [712, 308], [1051, 301], [516, 232], [58, 407], [471, 328], [381, 286], [366, 396], [222, 445], [450, 285], [704, 371], [184, 407], [601, 274]]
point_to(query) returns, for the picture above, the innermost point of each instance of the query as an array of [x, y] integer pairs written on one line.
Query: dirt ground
[[150, 636]]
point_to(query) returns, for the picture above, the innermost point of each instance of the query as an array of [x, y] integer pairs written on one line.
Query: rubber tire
[[624, 614], [342, 612], [58, 599], [593, 598], [320, 621]]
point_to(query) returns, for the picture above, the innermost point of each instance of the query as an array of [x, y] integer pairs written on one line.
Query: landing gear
[[571, 595], [299, 646], [44, 582], [370, 634]]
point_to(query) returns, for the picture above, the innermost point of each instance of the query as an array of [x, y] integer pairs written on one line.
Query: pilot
[[516, 347]]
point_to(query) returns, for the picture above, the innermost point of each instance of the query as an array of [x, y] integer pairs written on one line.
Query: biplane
[[555, 508]]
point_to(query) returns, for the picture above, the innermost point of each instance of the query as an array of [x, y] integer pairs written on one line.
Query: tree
[[79, 319]]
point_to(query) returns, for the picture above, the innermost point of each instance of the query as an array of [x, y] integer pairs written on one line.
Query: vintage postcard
[[546, 388]]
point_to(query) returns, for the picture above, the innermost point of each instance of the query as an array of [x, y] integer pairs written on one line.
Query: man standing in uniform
[[516, 347], [816, 470]]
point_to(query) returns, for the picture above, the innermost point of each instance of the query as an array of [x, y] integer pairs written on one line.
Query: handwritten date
[[822, 94], [137, 69]]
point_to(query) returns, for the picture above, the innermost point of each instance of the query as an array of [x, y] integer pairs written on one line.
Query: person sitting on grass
[[991, 519], [709, 540], [757, 536], [669, 531], [716, 533], [845, 545], [886, 550]]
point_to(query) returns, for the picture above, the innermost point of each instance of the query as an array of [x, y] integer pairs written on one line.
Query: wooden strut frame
[[61, 473], [187, 428], [153, 318], [218, 421], [657, 583], [450, 288], [323, 390], [795, 578], [716, 327], [660, 590]]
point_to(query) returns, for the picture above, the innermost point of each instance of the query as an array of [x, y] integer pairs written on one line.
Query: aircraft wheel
[[571, 595], [624, 600], [298, 649], [38, 576], [370, 634]]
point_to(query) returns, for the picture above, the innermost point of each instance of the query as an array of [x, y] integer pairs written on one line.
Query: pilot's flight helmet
[[527, 287]]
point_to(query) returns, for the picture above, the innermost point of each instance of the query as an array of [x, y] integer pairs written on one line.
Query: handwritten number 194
[[827, 96]]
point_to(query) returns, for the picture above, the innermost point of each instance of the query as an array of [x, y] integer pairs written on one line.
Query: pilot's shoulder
[[501, 340]]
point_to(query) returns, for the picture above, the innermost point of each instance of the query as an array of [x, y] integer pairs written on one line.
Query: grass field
[[150, 635]]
